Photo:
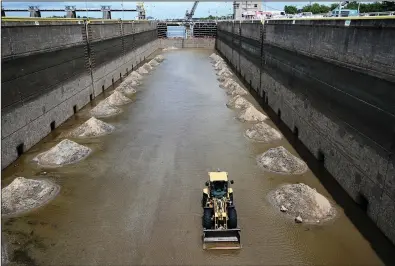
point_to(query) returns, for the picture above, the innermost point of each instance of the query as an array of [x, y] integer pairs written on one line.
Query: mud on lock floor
[[136, 198]]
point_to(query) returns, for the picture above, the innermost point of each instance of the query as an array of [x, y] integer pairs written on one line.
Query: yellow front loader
[[220, 229]]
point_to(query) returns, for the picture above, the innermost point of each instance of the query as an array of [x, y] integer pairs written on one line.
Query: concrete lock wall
[[332, 81], [50, 68]]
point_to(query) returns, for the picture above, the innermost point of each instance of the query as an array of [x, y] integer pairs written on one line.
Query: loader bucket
[[221, 239]]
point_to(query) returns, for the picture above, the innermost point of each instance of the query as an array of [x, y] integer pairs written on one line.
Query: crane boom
[[189, 15]]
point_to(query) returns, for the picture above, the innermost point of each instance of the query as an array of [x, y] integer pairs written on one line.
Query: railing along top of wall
[[291, 19], [24, 19], [336, 18]]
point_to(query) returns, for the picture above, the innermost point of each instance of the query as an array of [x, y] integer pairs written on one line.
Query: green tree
[[363, 7], [372, 7], [290, 9], [306, 8], [388, 6], [316, 8], [352, 5]]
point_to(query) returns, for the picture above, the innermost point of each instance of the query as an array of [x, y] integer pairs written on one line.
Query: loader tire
[[204, 200], [207, 222], [232, 215]]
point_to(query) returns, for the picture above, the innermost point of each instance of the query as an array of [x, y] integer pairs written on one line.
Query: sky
[[157, 10]]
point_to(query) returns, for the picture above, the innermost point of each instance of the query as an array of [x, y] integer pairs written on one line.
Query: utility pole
[[246, 10], [234, 9]]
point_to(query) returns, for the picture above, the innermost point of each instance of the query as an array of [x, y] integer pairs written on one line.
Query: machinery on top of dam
[[71, 11], [189, 15], [195, 29]]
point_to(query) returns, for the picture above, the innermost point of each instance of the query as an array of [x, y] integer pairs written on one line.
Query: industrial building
[[246, 9]]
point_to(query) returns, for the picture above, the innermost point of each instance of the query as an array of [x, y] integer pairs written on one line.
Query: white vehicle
[[273, 14], [307, 15]]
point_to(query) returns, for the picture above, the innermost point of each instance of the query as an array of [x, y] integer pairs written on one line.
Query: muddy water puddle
[[136, 198]]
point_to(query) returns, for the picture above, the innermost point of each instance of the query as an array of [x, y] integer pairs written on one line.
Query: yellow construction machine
[[220, 229]]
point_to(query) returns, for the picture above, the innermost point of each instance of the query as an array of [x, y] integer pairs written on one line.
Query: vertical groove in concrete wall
[[57, 67], [322, 85], [88, 53]]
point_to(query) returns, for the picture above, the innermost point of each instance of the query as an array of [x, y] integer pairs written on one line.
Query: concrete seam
[[90, 55]]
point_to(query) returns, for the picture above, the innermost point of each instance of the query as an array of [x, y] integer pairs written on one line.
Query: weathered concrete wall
[[333, 40], [333, 81], [205, 43], [53, 67], [117, 48]]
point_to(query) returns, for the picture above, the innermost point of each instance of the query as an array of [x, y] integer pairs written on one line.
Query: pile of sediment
[[135, 75], [117, 98], [148, 67], [131, 82], [170, 48], [228, 83], [237, 90], [238, 102], [279, 160], [223, 78], [104, 109], [300, 200], [26, 194], [142, 71], [218, 61], [92, 128], [126, 88], [153, 63], [66, 152], [159, 58], [262, 132], [251, 114], [225, 72], [220, 65], [214, 56]]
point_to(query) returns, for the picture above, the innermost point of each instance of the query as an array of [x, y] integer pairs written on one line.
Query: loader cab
[[219, 189], [218, 185]]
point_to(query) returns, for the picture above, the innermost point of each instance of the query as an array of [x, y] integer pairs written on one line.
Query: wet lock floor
[[137, 198]]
